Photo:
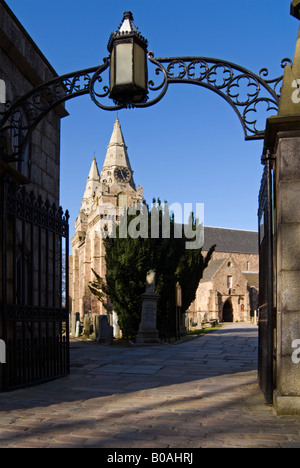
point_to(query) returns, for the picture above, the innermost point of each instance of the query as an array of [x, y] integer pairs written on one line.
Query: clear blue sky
[[190, 147]]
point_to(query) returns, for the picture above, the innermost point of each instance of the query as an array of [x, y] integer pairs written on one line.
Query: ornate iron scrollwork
[[19, 119], [245, 91]]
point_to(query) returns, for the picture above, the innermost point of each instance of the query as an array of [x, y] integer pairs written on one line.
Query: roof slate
[[230, 240]]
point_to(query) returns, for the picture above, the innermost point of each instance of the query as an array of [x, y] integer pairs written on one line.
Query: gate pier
[[282, 140]]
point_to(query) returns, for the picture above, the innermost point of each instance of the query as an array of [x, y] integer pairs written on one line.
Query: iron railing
[[34, 293]]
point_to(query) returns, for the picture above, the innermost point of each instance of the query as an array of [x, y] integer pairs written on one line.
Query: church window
[[229, 282], [248, 266]]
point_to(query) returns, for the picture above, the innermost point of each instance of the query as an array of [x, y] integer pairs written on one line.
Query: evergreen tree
[[129, 259]]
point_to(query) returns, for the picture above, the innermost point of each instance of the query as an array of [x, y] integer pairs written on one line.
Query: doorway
[[227, 311]]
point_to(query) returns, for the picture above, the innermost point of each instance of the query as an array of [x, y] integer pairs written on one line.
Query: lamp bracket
[[247, 93]]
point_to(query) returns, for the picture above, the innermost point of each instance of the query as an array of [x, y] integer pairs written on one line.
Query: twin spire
[[116, 156]]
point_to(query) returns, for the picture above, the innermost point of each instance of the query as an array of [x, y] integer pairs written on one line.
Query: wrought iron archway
[[244, 90]]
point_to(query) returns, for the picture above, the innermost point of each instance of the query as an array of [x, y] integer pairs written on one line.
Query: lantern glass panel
[[112, 69], [124, 63], [139, 66]]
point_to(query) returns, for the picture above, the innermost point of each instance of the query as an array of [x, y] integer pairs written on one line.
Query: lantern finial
[[128, 64]]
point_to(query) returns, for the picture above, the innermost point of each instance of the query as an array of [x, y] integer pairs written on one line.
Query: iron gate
[[34, 288], [267, 320]]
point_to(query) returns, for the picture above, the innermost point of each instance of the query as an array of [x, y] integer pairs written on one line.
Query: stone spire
[[117, 150], [116, 156], [92, 184]]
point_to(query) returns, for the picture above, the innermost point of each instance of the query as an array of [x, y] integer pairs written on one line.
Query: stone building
[[106, 195], [228, 290], [22, 68], [31, 315]]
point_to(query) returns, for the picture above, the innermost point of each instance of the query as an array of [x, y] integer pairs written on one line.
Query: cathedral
[[228, 289], [106, 195]]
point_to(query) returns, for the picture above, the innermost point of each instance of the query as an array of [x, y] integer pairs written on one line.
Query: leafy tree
[[129, 259]]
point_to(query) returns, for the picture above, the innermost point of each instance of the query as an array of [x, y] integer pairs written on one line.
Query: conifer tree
[[129, 259]]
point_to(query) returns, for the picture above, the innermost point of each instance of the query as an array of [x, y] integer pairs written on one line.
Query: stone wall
[[23, 67], [245, 261], [287, 221]]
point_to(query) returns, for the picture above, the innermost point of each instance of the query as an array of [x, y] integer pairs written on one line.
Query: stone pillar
[[282, 139], [148, 332], [283, 136]]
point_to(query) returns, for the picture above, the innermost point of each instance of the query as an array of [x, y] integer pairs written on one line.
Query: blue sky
[[190, 147]]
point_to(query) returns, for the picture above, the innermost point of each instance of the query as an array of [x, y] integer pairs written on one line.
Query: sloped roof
[[230, 240], [212, 269]]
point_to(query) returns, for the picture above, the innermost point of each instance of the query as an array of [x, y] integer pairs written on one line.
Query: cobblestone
[[199, 393]]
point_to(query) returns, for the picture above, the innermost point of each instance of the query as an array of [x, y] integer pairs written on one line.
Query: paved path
[[200, 393]]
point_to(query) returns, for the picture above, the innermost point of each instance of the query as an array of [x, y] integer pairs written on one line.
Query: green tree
[[129, 259]]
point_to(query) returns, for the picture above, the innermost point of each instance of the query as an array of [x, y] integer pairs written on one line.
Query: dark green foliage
[[128, 260], [97, 288]]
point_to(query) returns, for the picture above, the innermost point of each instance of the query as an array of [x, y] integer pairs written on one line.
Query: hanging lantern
[[128, 64], [295, 8]]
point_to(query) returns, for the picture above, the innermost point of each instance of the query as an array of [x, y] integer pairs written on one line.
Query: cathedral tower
[[106, 194]]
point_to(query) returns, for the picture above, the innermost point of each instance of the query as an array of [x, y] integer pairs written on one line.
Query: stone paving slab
[[199, 393]]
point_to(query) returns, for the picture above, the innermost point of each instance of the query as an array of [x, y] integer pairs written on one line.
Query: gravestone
[[73, 324], [105, 331], [87, 326], [95, 327], [77, 325], [148, 333]]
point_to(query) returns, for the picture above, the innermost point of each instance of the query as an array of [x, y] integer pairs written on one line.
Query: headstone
[[95, 327], [116, 329], [77, 325], [105, 331], [73, 324], [87, 326], [148, 333]]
